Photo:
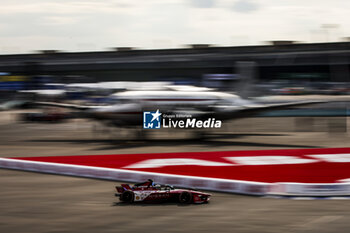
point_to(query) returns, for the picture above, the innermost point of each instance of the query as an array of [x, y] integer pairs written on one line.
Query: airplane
[[127, 107]]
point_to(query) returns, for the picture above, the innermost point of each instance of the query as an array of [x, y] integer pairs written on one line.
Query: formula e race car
[[151, 192]]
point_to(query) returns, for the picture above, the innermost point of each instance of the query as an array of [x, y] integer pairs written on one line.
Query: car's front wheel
[[185, 197], [127, 196]]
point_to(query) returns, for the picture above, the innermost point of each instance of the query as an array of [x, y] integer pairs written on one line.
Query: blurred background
[[296, 47], [92, 53], [72, 55]]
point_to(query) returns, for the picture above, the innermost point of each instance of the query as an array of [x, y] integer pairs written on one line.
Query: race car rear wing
[[123, 188], [119, 189]]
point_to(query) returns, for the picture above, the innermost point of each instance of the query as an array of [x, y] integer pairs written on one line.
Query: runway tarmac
[[33, 202]]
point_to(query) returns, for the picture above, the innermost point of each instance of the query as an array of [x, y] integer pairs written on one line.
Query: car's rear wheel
[[185, 197], [127, 196]]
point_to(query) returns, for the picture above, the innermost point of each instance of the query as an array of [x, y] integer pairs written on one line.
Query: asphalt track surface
[[34, 202]]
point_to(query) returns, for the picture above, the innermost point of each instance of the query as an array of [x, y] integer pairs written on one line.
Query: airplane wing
[[65, 105], [251, 109], [222, 112]]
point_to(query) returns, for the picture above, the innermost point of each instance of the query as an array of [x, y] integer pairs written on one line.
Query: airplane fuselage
[[129, 105]]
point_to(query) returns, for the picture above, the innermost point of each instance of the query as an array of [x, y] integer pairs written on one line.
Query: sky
[[93, 25]]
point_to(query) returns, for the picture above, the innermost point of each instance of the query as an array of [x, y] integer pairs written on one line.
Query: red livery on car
[[150, 192]]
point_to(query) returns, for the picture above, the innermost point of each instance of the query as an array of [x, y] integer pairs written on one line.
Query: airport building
[[281, 60]]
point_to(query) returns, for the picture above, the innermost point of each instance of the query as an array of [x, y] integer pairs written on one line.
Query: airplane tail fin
[[247, 72]]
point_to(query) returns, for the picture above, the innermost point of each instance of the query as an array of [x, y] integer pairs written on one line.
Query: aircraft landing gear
[[141, 135], [201, 135]]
